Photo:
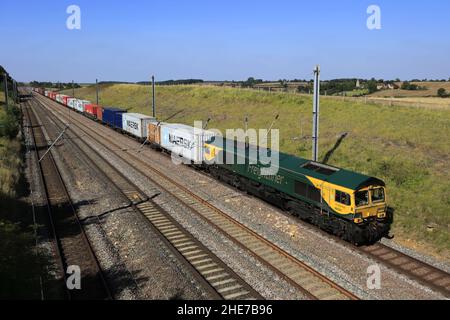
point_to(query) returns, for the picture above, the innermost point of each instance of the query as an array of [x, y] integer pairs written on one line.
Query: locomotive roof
[[341, 177]]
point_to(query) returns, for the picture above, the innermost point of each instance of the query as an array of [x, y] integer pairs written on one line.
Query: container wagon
[[113, 117], [136, 124], [185, 141], [80, 105], [91, 110]]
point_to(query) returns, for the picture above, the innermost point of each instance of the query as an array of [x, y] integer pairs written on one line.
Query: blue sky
[[224, 40]]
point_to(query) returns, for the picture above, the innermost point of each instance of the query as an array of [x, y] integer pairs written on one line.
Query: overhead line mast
[[316, 112]]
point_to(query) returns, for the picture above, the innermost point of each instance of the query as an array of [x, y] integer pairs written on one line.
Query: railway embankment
[[20, 265]]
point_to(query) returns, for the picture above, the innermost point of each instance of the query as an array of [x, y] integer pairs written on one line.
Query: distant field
[[407, 147], [431, 91]]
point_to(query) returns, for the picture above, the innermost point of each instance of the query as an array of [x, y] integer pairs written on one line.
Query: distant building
[[358, 84]]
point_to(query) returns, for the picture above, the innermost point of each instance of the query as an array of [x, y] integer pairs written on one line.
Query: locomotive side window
[[342, 197]]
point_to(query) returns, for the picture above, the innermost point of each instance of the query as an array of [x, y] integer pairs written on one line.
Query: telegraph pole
[[73, 90], [316, 112], [96, 89], [5, 79], [14, 83], [153, 97]]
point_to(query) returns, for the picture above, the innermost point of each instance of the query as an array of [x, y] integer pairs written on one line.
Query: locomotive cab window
[[342, 197], [378, 195], [362, 198]]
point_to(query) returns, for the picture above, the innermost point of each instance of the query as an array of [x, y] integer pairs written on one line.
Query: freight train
[[347, 204]]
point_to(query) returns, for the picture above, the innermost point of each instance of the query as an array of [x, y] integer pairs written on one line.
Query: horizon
[[225, 42]]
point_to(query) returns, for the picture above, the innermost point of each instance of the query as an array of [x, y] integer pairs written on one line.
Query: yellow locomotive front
[[370, 202]]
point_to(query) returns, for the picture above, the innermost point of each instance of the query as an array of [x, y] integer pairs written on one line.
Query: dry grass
[[431, 90]]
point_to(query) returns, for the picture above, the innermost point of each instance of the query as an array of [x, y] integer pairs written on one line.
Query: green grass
[[356, 93], [408, 148]]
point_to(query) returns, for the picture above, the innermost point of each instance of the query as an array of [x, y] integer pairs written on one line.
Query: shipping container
[[80, 105], [91, 109], [113, 117], [65, 100], [136, 124], [100, 113], [71, 103], [154, 132], [185, 141], [60, 98]]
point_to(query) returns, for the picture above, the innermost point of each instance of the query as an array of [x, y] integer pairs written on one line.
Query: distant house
[[386, 86], [392, 86]]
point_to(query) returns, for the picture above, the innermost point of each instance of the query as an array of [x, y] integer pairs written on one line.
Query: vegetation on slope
[[407, 147], [20, 267]]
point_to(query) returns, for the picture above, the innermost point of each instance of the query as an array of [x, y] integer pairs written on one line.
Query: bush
[[442, 93], [410, 86], [9, 123]]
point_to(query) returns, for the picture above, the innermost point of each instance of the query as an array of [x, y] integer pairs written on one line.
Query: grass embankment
[[20, 267], [408, 148]]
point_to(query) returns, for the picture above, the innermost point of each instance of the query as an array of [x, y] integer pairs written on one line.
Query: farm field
[[405, 146], [431, 90]]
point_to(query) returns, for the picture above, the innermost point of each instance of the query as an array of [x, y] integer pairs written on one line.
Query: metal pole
[[246, 130], [14, 90], [73, 90], [153, 97], [5, 80], [96, 89], [316, 112]]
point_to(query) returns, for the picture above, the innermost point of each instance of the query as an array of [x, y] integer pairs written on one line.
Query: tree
[[372, 86], [442, 93]]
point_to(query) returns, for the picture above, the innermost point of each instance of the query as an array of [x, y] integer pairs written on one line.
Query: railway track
[[214, 274], [313, 284], [71, 244], [415, 269]]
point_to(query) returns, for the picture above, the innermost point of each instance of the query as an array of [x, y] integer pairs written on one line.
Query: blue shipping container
[[113, 117]]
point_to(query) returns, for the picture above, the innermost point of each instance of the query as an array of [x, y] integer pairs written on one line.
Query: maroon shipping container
[[100, 113]]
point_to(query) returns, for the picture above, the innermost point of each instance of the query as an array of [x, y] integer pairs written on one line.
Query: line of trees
[[57, 85], [406, 85]]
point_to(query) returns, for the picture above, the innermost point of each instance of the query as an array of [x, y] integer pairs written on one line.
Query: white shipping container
[[79, 104], [136, 124], [71, 103], [185, 141]]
